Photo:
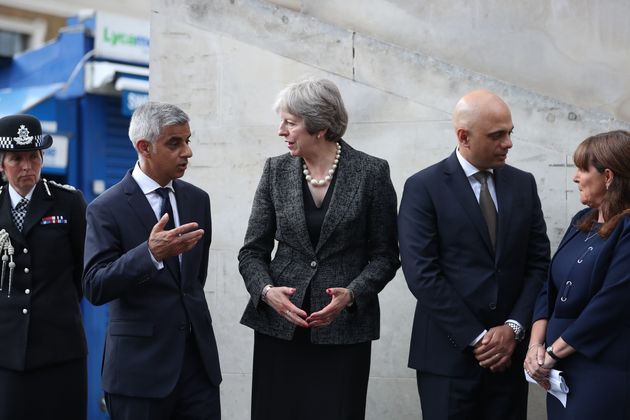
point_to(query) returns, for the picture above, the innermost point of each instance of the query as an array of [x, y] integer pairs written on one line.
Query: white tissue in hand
[[558, 389]]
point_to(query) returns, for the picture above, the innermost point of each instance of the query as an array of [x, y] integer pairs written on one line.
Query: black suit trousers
[[194, 396], [485, 396]]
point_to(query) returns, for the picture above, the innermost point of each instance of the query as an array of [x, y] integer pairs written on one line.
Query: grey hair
[[318, 102], [149, 118]]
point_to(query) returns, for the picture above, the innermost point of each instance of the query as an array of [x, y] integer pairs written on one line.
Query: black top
[[315, 215], [314, 220]]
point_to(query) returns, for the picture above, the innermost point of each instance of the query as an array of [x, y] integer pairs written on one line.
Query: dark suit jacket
[[461, 284], [357, 248], [594, 317], [46, 281], [148, 309]]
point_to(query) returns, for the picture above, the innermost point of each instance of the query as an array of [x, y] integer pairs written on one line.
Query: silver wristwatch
[[519, 333]]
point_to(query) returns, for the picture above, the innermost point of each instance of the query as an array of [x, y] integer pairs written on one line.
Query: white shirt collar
[[16, 197], [469, 168], [145, 182]]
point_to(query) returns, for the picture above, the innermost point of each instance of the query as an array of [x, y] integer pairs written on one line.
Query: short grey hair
[[318, 102], [149, 118]]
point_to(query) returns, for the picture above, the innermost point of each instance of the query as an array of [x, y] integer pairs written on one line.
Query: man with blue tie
[[474, 252], [146, 254]]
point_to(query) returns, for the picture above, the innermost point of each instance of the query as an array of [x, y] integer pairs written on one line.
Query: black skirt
[[47, 393], [297, 380]]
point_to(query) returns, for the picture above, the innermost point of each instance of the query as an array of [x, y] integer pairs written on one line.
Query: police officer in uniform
[[42, 231]]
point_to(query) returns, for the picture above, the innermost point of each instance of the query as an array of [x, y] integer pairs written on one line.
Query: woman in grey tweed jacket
[[314, 305]]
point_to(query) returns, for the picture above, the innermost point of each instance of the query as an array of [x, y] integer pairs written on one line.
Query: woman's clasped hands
[[279, 299], [537, 365]]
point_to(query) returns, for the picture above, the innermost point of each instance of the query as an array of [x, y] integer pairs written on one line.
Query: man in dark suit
[[474, 252], [43, 373], [160, 359]]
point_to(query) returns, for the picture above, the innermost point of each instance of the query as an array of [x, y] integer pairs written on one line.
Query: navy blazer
[[148, 308], [41, 323], [357, 247], [597, 312], [463, 286]]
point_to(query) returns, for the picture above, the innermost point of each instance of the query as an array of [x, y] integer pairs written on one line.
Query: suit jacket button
[[492, 306], [313, 264], [25, 311], [27, 291], [25, 250], [26, 270]]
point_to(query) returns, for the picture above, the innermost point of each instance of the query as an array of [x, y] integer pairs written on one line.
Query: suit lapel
[[185, 216], [459, 185], [6, 221], [505, 198], [567, 237], [138, 203], [140, 207], [290, 186], [346, 186]]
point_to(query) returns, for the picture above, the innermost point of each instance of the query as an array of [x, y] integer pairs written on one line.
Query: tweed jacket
[[357, 249], [41, 323]]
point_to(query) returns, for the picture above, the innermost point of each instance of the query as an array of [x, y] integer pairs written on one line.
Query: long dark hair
[[607, 151]]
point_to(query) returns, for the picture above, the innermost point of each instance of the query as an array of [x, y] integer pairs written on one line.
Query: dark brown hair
[[611, 151]]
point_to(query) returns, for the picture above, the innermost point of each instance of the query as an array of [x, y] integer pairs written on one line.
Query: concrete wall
[[573, 50], [224, 62]]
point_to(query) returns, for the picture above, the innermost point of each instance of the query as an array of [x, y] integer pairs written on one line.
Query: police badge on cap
[[22, 133]]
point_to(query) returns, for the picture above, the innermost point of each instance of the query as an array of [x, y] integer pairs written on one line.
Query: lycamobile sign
[[121, 38]]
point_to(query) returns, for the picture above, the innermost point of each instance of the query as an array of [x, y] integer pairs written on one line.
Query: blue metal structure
[[50, 83]]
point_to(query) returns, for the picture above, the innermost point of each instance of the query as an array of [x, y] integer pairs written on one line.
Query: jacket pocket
[[131, 328]]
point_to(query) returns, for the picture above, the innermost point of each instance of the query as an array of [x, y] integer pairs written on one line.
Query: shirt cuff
[[158, 264], [516, 322], [478, 339]]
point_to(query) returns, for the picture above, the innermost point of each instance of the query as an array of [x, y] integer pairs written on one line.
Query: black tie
[[171, 262], [487, 206]]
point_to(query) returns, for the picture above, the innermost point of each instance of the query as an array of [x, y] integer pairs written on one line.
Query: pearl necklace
[[327, 178]]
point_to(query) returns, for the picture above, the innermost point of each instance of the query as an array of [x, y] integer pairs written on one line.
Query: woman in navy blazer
[[314, 306], [582, 316]]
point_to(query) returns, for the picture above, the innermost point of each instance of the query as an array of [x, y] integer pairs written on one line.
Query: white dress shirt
[[149, 187]]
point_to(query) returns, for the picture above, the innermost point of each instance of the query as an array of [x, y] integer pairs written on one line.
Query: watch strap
[[551, 354]]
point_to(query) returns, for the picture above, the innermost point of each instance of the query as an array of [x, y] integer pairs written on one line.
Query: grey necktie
[[19, 213], [487, 206]]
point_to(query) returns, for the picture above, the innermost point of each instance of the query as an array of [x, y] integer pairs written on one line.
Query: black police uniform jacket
[[40, 322]]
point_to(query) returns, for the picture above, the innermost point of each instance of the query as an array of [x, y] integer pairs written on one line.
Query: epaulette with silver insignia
[[58, 185]]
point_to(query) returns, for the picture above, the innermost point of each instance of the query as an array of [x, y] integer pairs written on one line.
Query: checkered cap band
[[8, 143]]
